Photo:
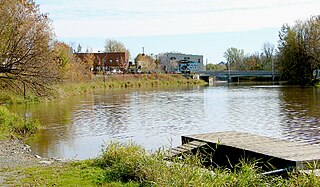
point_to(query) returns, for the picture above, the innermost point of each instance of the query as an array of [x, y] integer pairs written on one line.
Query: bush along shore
[[14, 126], [131, 165]]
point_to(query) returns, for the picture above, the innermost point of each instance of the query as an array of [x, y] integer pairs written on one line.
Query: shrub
[[132, 163], [12, 125]]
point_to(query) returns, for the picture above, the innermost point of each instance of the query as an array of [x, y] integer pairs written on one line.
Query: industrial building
[[178, 62]]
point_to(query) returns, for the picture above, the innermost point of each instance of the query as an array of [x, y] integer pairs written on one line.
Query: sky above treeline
[[204, 27]]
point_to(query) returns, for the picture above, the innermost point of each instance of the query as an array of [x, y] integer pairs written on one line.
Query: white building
[[174, 62]]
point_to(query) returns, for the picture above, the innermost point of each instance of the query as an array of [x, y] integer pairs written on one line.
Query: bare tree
[[25, 48], [116, 46], [268, 52], [268, 49]]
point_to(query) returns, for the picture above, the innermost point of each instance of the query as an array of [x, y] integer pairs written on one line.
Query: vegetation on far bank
[[117, 81], [131, 165], [127, 81]]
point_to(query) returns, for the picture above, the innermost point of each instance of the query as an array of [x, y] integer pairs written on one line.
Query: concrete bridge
[[226, 75]]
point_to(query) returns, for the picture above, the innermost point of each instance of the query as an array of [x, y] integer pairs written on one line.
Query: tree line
[[296, 58]]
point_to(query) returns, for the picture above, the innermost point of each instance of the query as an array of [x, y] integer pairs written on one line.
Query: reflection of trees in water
[[301, 112], [55, 118]]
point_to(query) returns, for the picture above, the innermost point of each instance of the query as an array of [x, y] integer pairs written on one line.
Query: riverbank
[[124, 81], [118, 81], [131, 165]]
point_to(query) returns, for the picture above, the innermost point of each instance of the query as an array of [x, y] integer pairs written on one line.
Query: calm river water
[[154, 118]]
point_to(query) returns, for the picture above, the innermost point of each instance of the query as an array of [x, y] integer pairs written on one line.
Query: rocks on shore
[[14, 153]]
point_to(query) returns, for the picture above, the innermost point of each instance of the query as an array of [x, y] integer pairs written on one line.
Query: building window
[[199, 60]]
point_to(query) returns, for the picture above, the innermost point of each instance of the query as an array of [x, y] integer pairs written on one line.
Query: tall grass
[[130, 162], [12, 125], [123, 82], [8, 98]]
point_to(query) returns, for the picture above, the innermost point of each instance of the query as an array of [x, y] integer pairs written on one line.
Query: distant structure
[[107, 61], [178, 62]]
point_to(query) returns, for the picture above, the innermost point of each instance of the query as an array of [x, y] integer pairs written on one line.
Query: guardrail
[[238, 73]]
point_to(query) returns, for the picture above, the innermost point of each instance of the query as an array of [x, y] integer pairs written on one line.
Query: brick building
[[107, 61]]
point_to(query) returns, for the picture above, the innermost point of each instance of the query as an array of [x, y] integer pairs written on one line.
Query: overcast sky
[[206, 27]]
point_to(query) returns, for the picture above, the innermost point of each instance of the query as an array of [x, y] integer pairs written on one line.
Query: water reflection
[[301, 112], [78, 126]]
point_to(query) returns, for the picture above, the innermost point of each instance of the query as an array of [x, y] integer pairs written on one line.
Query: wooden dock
[[188, 148], [228, 148]]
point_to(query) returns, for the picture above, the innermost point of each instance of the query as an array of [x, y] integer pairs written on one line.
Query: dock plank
[[294, 152], [187, 148]]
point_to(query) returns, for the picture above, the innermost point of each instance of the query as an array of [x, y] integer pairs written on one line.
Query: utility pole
[[272, 64], [206, 63], [229, 78]]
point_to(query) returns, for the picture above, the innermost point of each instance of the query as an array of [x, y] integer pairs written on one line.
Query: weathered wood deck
[[227, 148], [187, 148]]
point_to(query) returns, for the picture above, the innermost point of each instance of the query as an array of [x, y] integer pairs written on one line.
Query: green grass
[[9, 98], [129, 162], [131, 165], [81, 173], [12, 125]]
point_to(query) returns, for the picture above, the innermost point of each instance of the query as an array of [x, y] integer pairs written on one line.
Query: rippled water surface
[[77, 127]]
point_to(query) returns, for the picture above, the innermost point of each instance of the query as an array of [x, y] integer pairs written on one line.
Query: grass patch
[[131, 165], [130, 162], [12, 125], [82, 173], [9, 98]]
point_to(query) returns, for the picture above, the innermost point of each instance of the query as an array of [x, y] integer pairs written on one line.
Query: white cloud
[[100, 18]]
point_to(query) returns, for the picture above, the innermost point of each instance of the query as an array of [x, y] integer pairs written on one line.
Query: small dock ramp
[[190, 147], [230, 147]]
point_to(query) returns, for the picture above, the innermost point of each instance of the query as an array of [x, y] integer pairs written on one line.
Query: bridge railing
[[236, 73]]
